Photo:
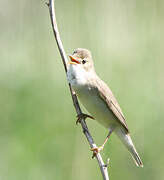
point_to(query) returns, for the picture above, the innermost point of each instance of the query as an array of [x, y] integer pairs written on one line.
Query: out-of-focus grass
[[38, 136]]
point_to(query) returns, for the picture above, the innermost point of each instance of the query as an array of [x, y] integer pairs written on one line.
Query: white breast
[[76, 75], [89, 97]]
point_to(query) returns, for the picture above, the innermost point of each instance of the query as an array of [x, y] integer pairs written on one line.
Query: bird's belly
[[96, 106]]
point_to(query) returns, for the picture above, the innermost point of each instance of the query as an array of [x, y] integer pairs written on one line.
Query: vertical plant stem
[[102, 166]]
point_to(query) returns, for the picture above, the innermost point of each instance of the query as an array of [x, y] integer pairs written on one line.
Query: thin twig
[[103, 167]]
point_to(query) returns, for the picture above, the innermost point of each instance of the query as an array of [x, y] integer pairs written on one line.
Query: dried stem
[[103, 167]]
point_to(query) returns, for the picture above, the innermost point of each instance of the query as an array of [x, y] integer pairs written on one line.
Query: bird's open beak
[[73, 60]]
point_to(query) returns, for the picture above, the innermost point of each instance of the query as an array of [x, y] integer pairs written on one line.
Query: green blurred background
[[38, 135]]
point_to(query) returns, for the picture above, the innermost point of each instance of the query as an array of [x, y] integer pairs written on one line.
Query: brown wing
[[106, 94]]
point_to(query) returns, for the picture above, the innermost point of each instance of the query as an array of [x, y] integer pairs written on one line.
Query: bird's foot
[[96, 150], [82, 116]]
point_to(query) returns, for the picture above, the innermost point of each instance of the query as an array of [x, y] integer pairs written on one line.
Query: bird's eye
[[75, 52], [84, 61]]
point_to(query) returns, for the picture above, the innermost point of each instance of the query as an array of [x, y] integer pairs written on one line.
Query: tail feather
[[126, 139], [136, 157]]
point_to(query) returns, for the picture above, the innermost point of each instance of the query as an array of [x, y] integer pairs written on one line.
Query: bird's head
[[82, 58]]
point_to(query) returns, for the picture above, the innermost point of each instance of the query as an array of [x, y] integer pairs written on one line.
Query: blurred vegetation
[[38, 136]]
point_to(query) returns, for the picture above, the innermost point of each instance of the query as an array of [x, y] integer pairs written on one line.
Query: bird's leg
[[82, 116], [100, 148]]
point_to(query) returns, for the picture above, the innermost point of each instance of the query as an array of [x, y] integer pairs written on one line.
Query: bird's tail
[[126, 139]]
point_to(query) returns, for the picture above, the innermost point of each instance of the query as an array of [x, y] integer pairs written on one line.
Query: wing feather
[[106, 94]]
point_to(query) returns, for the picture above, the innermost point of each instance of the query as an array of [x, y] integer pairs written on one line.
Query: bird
[[98, 99]]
